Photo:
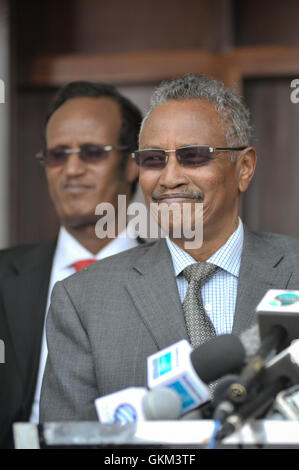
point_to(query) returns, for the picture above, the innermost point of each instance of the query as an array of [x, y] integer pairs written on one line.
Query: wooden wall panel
[[58, 27], [129, 67], [35, 218], [266, 22], [271, 203], [73, 32], [95, 26], [147, 24]]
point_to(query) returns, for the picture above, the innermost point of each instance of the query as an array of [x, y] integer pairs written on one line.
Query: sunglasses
[[187, 156], [88, 153]]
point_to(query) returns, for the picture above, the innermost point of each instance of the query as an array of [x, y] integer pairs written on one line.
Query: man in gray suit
[[104, 321]]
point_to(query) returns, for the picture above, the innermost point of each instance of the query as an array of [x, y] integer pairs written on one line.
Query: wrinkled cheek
[[211, 203], [147, 192]]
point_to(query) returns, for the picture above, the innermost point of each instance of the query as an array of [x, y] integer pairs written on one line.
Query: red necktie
[[83, 263]]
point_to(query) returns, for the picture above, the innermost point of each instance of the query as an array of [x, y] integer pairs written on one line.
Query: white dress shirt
[[69, 250]]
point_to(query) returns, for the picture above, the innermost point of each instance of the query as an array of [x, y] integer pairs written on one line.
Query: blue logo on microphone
[[282, 300], [125, 413]]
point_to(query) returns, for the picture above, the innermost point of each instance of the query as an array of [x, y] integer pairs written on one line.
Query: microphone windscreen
[[162, 403], [251, 341], [191, 415], [219, 356]]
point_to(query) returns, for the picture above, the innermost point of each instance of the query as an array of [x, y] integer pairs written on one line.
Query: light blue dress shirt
[[220, 292]]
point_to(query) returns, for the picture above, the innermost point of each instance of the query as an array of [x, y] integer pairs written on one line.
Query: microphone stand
[[251, 408]]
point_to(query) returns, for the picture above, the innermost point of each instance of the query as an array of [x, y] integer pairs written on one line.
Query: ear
[[131, 171], [246, 165]]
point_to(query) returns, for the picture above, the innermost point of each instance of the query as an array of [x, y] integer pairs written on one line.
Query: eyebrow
[[155, 147]]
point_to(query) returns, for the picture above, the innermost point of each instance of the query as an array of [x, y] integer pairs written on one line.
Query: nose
[[74, 165], [173, 174]]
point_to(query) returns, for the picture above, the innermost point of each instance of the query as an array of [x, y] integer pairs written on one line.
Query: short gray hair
[[232, 110]]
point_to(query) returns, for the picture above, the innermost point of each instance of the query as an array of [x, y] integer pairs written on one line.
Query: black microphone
[[278, 322], [211, 360], [250, 343], [208, 362], [221, 406], [279, 373], [219, 356], [213, 363], [250, 409], [238, 391]]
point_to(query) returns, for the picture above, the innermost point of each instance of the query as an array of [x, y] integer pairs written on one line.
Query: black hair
[[130, 113]]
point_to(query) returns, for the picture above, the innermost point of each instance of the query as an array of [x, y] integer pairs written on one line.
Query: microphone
[[280, 372], [162, 403], [286, 405], [172, 367], [218, 356], [251, 341], [285, 365], [138, 404], [124, 406], [251, 408], [278, 324], [279, 308], [188, 372], [179, 389]]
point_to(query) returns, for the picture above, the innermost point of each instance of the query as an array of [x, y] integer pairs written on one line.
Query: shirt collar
[[69, 250], [228, 257]]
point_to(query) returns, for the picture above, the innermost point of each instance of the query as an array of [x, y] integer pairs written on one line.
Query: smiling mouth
[[76, 188], [178, 197]]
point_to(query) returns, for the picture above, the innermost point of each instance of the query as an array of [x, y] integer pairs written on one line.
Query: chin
[[80, 220]]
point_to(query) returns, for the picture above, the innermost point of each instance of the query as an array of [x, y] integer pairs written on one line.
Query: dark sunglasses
[[88, 153], [187, 156]]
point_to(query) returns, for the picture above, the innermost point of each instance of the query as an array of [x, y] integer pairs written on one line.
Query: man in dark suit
[[103, 322], [91, 129]]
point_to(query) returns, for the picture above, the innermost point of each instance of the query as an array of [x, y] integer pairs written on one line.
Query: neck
[[86, 236], [210, 244], [85, 232]]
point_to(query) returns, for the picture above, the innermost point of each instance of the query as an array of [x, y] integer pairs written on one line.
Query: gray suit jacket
[[105, 320]]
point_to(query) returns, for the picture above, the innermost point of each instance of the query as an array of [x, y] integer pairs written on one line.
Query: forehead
[[85, 115], [192, 121]]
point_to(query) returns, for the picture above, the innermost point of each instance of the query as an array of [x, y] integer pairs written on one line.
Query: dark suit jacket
[[105, 320], [24, 280]]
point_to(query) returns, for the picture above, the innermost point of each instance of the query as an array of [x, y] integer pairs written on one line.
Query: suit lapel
[[153, 289], [259, 272], [24, 296]]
